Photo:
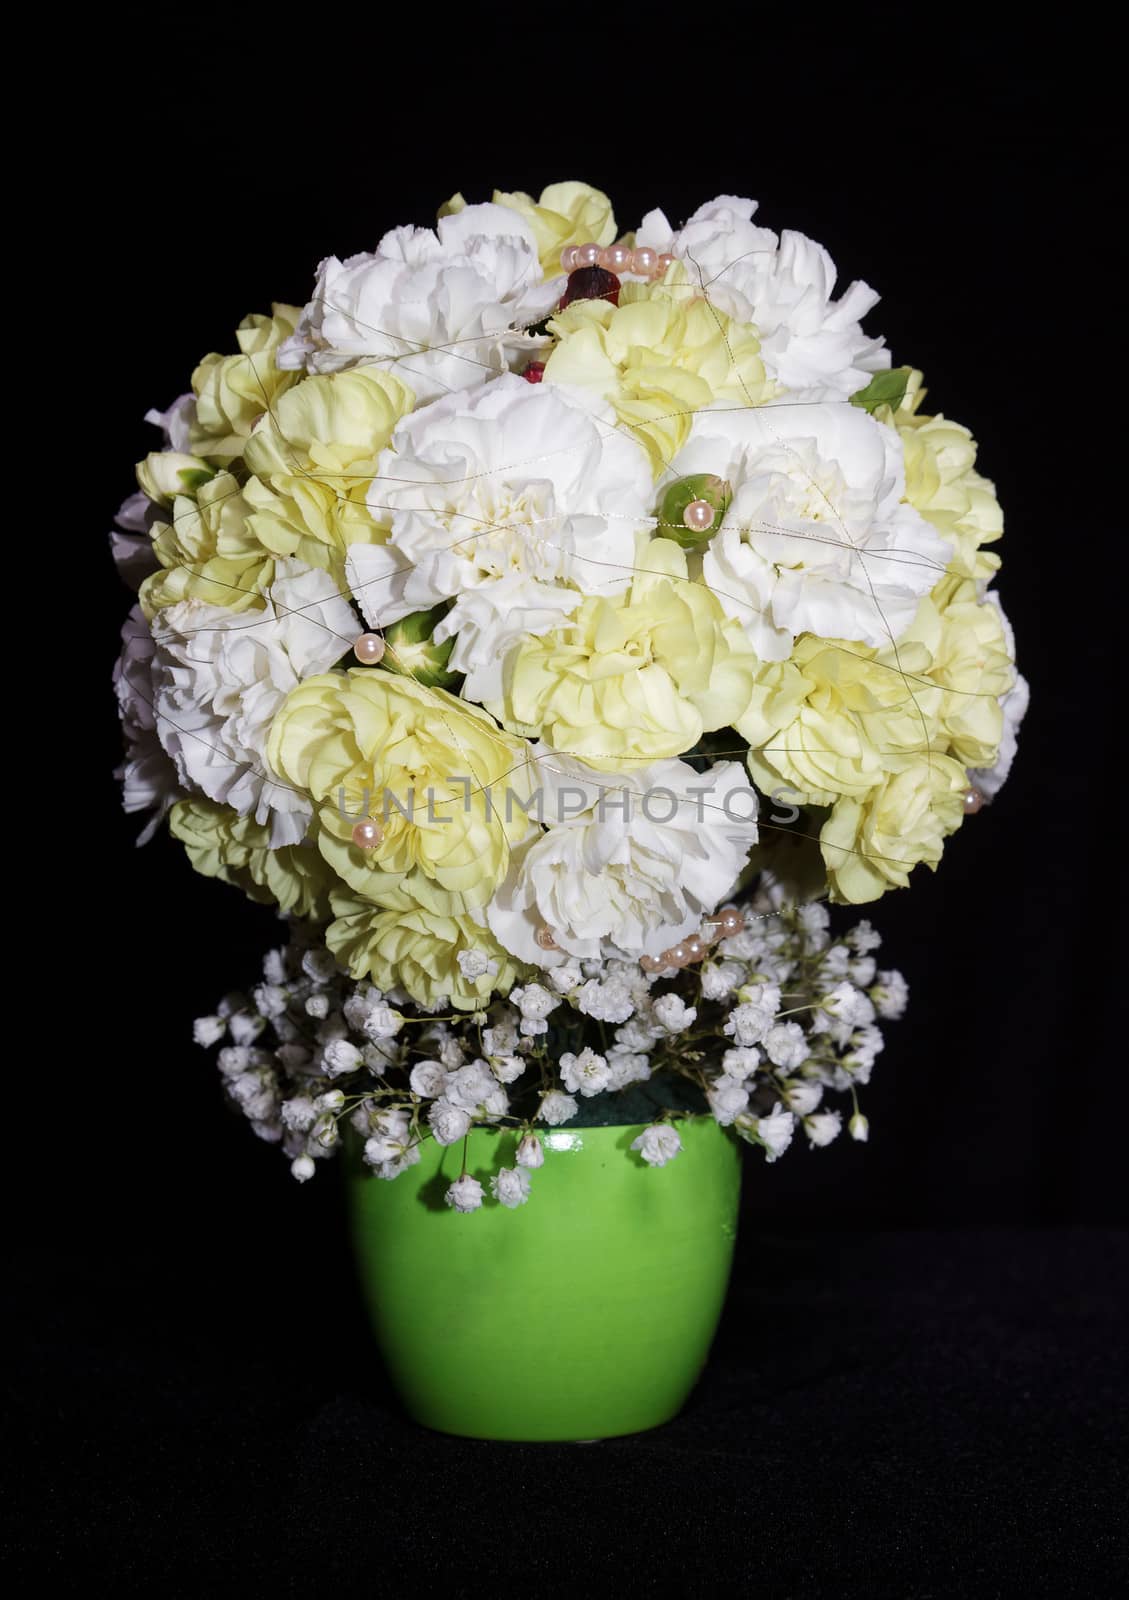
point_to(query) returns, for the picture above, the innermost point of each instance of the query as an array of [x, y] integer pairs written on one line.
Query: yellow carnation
[[827, 722], [222, 844], [634, 678], [566, 213], [208, 551], [942, 483], [970, 664], [369, 742], [313, 459], [657, 357], [403, 945], [872, 844], [232, 392]]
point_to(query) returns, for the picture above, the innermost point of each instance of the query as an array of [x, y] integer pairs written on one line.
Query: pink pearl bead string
[[367, 834], [722, 925], [642, 261]]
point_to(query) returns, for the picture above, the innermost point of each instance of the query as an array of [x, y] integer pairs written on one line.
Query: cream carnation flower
[[1013, 704], [221, 675], [817, 538], [445, 308], [809, 342], [631, 861], [510, 502]]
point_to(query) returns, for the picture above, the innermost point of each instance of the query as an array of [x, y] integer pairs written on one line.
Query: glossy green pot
[[585, 1313]]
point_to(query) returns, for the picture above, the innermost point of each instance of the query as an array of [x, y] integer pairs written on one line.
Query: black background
[[183, 1275]]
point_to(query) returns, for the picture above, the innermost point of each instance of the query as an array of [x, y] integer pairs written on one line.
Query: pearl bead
[[568, 258], [369, 648], [665, 260], [544, 940], [731, 922], [367, 834], [698, 516], [587, 255], [650, 964], [676, 956], [615, 258], [643, 260], [973, 802], [695, 949]]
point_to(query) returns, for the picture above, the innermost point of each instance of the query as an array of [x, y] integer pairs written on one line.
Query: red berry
[[534, 372], [591, 283]]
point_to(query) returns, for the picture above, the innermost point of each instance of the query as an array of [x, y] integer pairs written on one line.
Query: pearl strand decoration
[[642, 261], [723, 925]]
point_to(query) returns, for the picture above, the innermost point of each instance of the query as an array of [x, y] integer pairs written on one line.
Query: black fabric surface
[[907, 1414]]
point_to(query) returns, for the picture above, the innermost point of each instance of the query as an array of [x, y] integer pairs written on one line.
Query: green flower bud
[[699, 488], [410, 649]]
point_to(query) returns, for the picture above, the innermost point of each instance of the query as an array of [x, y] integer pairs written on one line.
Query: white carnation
[[221, 675], [808, 341], [148, 777], [444, 309], [817, 538], [632, 861], [511, 503]]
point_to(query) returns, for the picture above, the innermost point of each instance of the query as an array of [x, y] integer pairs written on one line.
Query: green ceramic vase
[[585, 1313]]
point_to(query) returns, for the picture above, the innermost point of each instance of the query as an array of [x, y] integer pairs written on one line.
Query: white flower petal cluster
[[632, 862], [221, 675], [658, 1144], [817, 537], [443, 308], [767, 1083], [147, 775], [511, 503], [810, 342]]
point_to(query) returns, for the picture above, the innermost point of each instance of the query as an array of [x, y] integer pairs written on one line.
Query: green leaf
[[884, 389]]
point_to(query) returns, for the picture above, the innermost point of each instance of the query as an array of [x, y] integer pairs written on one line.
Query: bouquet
[[547, 621]]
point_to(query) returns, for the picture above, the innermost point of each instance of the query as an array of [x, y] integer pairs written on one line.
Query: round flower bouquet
[[549, 622]]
